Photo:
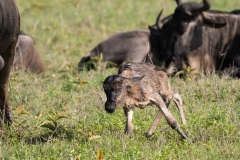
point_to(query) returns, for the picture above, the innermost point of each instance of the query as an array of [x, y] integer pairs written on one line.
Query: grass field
[[60, 113]]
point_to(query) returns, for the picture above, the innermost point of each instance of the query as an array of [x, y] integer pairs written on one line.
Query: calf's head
[[115, 88]]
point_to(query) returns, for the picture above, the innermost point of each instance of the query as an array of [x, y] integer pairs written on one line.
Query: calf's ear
[[136, 79], [118, 81], [213, 23]]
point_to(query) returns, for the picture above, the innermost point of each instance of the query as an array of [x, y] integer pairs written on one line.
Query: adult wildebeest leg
[[154, 125], [129, 115], [8, 56], [169, 117], [178, 101], [10, 28]]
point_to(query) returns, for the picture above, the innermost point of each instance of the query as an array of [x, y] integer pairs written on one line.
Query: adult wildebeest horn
[[158, 20], [192, 8], [207, 5], [201, 7]]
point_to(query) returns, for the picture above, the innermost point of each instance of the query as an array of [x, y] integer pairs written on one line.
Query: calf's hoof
[[148, 135], [128, 130]]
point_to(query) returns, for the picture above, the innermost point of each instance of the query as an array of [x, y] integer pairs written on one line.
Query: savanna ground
[[60, 113]]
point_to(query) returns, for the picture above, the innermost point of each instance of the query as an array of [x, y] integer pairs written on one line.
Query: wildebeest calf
[[139, 85]]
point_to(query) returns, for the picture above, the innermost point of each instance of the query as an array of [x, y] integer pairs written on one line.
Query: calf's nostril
[[110, 107]]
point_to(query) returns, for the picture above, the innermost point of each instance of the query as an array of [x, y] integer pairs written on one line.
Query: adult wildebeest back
[[201, 38], [9, 30], [134, 46], [120, 47]]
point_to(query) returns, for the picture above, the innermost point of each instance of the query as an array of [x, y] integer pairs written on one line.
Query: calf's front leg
[[129, 115], [154, 125]]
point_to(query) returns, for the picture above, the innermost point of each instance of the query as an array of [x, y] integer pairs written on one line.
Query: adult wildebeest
[[134, 46], [26, 55], [202, 39], [120, 47], [139, 85], [9, 30]]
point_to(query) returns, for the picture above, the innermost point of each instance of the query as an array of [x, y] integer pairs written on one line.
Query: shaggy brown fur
[[139, 85]]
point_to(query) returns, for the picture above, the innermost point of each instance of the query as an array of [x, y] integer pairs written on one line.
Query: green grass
[[60, 113]]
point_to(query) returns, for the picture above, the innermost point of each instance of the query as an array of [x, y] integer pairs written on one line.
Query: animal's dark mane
[[237, 11]]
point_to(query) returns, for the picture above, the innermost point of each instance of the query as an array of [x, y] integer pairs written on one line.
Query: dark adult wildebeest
[[202, 39], [134, 46], [9, 30], [156, 40], [123, 46], [139, 85], [26, 55]]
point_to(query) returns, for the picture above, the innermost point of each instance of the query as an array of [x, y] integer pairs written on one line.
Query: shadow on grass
[[49, 136], [31, 138]]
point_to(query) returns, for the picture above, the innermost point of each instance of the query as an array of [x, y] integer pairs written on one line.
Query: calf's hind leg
[[178, 101]]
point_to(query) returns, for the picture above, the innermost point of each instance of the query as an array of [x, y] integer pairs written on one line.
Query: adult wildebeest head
[[156, 39], [199, 38], [9, 30]]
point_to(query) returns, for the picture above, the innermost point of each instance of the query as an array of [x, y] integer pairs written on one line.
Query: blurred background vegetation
[[60, 113]]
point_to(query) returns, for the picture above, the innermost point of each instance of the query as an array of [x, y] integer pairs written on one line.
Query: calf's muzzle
[[110, 106]]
